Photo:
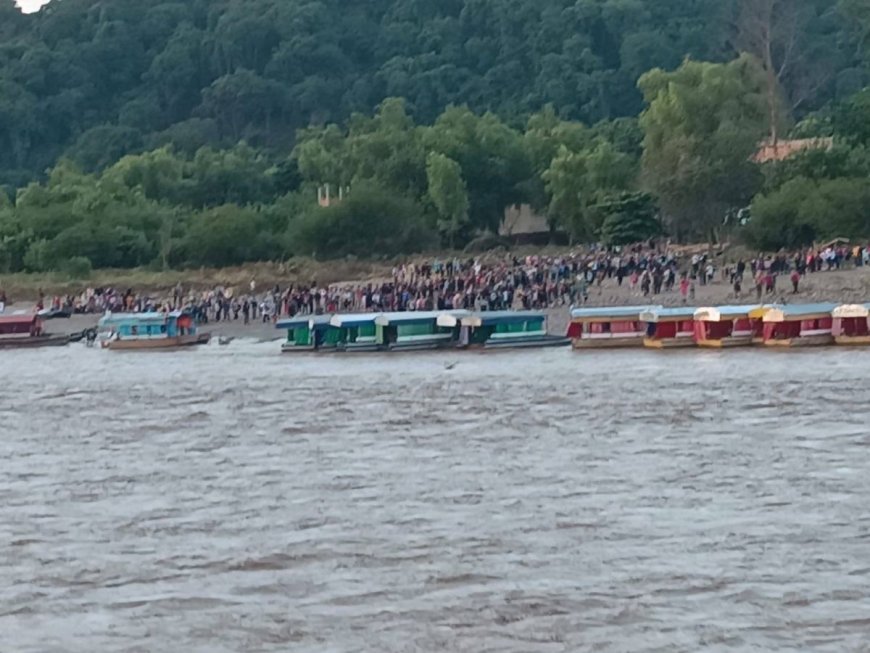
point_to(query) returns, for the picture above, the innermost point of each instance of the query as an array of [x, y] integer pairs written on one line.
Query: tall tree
[[701, 127], [448, 194]]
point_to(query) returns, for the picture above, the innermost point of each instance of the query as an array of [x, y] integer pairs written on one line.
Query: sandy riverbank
[[839, 286]]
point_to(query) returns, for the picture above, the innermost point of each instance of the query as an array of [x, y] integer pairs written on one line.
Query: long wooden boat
[[25, 331], [502, 330], [149, 331], [851, 324], [607, 328], [799, 325], [669, 328], [309, 333], [416, 330], [357, 332], [724, 326]]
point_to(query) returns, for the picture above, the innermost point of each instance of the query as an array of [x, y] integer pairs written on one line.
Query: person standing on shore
[[795, 281], [684, 289]]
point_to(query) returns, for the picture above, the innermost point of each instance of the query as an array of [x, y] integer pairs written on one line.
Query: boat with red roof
[[25, 330]]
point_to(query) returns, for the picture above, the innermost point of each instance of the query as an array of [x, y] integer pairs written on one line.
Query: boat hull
[[853, 341], [157, 344], [609, 343], [34, 342], [528, 343], [669, 343], [805, 341], [416, 346], [366, 348], [727, 343]]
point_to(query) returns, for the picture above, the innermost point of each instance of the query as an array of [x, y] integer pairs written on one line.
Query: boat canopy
[[415, 317], [852, 310], [18, 323], [668, 314], [761, 311], [303, 322], [720, 313], [133, 319], [799, 312], [353, 319], [609, 313], [18, 318], [496, 318]]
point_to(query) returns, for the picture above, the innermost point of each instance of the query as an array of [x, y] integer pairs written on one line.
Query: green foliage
[[852, 118], [448, 194], [578, 182], [78, 267], [817, 164], [803, 211], [703, 123], [371, 222], [197, 133], [227, 235], [629, 218]]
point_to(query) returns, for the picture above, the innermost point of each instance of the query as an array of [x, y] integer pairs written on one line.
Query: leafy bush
[[804, 211], [629, 218], [78, 267], [371, 222]]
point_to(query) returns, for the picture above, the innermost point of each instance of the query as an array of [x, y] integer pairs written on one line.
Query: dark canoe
[[30, 342]]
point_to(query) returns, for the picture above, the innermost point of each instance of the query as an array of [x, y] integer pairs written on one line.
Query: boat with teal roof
[[502, 330], [307, 333], [151, 331], [416, 330], [357, 332]]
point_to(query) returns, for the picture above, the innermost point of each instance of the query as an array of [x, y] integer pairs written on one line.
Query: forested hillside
[[132, 130]]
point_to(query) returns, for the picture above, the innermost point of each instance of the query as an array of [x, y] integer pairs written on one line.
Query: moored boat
[[502, 330], [851, 324], [669, 328], [415, 331], [309, 333], [607, 328], [756, 321], [724, 326], [357, 332], [150, 331], [799, 325], [25, 330]]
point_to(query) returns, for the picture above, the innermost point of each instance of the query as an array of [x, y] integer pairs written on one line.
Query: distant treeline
[[197, 132]]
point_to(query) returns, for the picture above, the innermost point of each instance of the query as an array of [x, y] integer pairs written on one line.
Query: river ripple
[[231, 499]]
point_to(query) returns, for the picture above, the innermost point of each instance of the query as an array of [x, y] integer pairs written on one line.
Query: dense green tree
[[629, 218], [804, 211], [132, 132], [448, 194], [703, 123], [492, 158], [578, 182], [371, 222]]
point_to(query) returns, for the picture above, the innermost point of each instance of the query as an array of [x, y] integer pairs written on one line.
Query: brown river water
[[232, 499]]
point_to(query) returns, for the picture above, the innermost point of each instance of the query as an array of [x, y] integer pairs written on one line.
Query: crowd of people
[[481, 283]]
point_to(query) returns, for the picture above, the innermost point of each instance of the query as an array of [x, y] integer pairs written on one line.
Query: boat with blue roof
[[150, 331], [416, 331], [357, 332], [607, 328], [669, 328], [502, 330], [307, 333], [799, 325], [722, 327]]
